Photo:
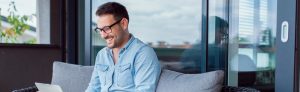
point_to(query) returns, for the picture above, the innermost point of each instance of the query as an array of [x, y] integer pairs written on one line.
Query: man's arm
[[94, 85], [147, 70]]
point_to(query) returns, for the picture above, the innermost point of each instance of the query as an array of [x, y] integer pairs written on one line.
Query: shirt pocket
[[125, 77], [102, 73]]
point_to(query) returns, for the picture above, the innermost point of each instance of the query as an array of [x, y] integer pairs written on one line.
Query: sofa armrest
[[238, 89], [28, 89]]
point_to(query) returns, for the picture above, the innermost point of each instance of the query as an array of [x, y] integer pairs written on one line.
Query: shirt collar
[[129, 42]]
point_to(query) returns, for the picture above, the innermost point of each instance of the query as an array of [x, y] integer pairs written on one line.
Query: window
[[172, 28], [25, 21], [252, 43]]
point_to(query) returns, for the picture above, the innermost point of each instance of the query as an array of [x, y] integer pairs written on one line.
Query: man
[[126, 64]]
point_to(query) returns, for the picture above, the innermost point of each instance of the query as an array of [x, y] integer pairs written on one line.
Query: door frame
[[287, 66]]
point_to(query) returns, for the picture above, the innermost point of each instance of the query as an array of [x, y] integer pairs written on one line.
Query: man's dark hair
[[116, 9]]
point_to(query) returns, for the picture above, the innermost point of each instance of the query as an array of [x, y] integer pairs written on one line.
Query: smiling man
[[126, 64]]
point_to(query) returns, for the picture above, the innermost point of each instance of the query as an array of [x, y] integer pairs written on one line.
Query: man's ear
[[124, 24]]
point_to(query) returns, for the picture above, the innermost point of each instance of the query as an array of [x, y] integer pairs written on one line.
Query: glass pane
[[171, 27], [217, 34], [25, 21], [251, 43]]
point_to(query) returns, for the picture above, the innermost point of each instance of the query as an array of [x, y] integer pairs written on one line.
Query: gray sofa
[[75, 78]]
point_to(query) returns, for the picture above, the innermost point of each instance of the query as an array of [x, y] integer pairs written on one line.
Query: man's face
[[114, 39]]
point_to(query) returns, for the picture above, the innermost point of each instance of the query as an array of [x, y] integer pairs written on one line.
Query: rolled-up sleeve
[[147, 70]]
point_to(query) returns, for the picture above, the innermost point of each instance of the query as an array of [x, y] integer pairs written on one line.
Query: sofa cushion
[[171, 81], [72, 78]]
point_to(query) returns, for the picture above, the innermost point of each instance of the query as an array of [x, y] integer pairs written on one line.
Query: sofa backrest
[[171, 81], [72, 78], [75, 78]]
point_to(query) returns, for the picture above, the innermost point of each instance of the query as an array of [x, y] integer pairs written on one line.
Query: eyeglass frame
[[98, 30]]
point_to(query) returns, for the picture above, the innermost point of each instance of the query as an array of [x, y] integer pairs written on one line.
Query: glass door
[[253, 38], [241, 41], [250, 39]]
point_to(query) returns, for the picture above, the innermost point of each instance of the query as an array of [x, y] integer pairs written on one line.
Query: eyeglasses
[[106, 29]]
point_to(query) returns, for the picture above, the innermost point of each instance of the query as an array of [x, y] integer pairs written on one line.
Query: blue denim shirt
[[137, 70]]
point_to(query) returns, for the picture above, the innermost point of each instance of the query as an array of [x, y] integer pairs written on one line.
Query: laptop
[[42, 87]]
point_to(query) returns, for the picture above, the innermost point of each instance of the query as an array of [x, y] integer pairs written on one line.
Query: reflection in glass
[[252, 47], [217, 36]]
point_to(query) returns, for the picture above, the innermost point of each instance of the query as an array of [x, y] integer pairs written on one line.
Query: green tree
[[19, 26]]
